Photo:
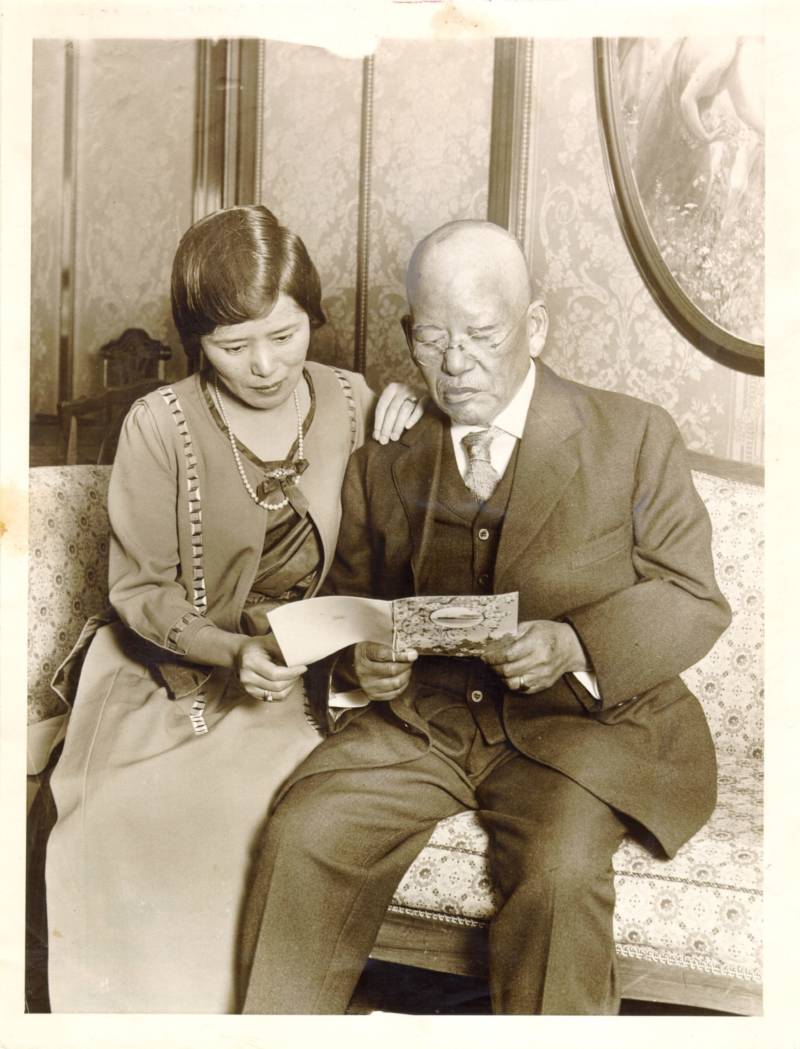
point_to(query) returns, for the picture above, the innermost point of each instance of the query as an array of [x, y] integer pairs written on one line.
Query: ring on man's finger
[[522, 682]]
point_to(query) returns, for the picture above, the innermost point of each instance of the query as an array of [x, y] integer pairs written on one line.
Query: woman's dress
[[159, 807]]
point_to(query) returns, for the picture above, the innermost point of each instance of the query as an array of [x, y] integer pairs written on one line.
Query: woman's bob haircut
[[231, 266]]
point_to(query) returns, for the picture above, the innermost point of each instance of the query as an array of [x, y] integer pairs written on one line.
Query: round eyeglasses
[[429, 344]]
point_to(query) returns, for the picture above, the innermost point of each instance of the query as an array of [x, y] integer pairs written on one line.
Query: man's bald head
[[468, 254]]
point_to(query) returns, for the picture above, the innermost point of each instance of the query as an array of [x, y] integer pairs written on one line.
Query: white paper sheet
[[309, 630]]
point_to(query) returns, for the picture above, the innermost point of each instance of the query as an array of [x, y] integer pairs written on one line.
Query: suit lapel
[[546, 463], [416, 472]]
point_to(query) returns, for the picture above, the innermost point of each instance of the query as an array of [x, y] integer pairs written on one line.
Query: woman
[[224, 503]]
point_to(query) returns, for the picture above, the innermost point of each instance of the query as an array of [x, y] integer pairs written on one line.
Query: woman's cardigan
[[186, 537]]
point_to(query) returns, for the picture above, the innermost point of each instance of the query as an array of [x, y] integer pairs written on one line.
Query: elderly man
[[565, 737]]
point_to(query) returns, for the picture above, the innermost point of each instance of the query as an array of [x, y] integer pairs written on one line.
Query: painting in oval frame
[[682, 123]]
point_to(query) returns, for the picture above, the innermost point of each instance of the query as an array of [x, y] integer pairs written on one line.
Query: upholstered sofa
[[688, 930]]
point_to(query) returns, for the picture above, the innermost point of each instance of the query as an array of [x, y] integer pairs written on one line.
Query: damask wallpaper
[[310, 157], [136, 102], [606, 330], [133, 138], [430, 124], [428, 118], [46, 187]]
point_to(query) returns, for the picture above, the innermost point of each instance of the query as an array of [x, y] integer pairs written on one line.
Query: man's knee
[[301, 820], [569, 862], [311, 824]]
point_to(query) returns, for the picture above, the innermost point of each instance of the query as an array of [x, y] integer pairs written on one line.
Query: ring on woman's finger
[[267, 697]]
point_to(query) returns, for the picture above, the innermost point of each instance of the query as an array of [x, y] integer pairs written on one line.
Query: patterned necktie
[[481, 478]]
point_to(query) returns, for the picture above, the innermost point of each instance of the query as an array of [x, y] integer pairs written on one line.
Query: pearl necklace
[[287, 473]]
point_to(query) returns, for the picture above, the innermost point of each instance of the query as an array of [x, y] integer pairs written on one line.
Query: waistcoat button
[[483, 533], [476, 695], [483, 580]]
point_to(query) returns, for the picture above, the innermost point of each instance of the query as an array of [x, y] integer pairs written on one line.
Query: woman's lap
[[148, 862]]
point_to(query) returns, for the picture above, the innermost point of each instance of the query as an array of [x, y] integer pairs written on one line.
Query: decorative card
[[455, 626]]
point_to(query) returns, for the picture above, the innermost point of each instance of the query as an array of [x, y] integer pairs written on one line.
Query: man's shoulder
[[419, 438], [610, 405]]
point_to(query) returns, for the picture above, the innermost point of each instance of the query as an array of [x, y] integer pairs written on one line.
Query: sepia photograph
[[469, 326]]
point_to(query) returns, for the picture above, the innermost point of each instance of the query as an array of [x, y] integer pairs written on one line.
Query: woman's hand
[[381, 672], [399, 408], [259, 675], [540, 653]]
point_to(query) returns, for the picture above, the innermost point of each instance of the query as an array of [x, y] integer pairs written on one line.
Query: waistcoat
[[463, 551]]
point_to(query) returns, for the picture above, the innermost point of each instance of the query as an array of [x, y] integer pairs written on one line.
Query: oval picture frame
[[690, 320]]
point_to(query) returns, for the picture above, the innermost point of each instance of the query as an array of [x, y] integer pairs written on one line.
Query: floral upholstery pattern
[[701, 910], [67, 570]]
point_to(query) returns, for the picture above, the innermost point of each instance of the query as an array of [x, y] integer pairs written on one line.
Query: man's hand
[[381, 672], [537, 656], [259, 674]]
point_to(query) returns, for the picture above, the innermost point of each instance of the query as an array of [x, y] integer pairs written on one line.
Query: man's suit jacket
[[604, 530]]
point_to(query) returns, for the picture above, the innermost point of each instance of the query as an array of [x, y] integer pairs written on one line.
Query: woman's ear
[[537, 327]]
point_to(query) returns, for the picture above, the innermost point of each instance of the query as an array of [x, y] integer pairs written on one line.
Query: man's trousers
[[339, 842]]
